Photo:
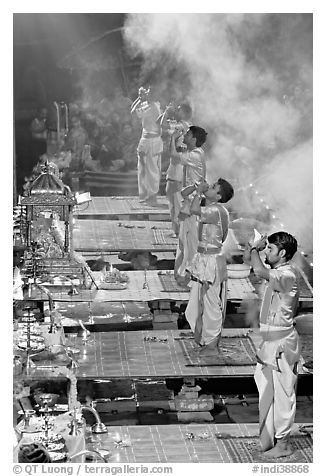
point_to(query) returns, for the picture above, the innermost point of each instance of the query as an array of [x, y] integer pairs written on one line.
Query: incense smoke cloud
[[248, 78]]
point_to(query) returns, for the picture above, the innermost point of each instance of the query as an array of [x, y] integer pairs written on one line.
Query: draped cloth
[[174, 197], [278, 355], [187, 245], [149, 166], [205, 311], [277, 401], [149, 150]]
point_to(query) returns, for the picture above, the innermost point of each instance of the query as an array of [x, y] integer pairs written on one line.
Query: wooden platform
[[113, 236], [129, 355], [122, 208], [135, 355], [195, 443], [238, 289]]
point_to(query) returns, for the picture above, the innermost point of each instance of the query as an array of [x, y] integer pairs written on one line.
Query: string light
[[267, 207]]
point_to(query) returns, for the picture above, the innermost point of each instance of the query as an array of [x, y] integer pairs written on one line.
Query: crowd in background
[[98, 137], [101, 137]]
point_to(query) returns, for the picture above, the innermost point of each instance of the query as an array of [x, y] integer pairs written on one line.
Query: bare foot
[[208, 350], [280, 449], [197, 348]]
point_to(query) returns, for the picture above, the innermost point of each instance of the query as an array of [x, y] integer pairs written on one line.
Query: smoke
[[248, 78]]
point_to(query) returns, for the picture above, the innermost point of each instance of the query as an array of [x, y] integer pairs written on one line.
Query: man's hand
[[202, 187], [176, 134], [259, 244]]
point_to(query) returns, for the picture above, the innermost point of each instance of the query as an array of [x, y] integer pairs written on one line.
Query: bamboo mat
[[194, 443], [237, 289], [106, 235], [113, 206]]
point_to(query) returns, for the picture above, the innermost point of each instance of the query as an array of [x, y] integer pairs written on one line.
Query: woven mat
[[233, 351], [247, 450], [170, 285]]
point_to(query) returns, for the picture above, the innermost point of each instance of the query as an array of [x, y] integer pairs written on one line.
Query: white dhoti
[[149, 166], [187, 245], [276, 382], [173, 194], [205, 311]]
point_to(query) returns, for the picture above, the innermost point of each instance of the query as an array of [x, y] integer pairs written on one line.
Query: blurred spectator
[[129, 142], [109, 148], [121, 104], [75, 141]]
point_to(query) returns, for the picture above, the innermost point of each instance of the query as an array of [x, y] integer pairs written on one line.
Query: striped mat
[[234, 350], [247, 450]]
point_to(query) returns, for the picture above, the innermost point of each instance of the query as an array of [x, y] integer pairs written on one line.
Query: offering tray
[[55, 446], [51, 439], [115, 276], [114, 280]]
